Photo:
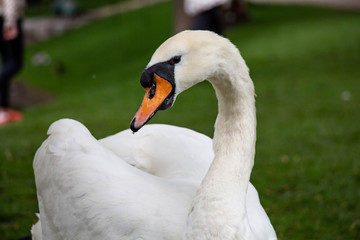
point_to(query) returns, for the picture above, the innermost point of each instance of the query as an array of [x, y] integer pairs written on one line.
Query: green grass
[[303, 61]]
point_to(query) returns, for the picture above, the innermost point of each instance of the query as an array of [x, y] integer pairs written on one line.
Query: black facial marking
[[164, 70]]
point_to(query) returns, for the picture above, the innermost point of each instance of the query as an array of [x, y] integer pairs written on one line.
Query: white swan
[[88, 189]]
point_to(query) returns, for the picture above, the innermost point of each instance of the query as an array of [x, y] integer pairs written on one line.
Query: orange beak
[[153, 99]]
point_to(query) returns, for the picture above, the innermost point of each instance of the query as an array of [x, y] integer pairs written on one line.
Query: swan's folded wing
[[87, 192], [166, 151], [258, 219], [68, 174]]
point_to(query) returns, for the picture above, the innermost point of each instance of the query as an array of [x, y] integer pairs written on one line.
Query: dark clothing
[[12, 53], [209, 20]]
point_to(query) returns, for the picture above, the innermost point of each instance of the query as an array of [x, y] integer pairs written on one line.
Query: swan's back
[[85, 191], [166, 151]]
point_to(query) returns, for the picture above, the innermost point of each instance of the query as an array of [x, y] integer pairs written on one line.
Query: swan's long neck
[[219, 207], [235, 130]]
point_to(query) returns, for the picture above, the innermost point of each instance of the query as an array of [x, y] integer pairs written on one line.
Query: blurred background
[[83, 60]]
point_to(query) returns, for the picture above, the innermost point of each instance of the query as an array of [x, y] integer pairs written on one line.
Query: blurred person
[[236, 13], [12, 53], [65, 8], [182, 20], [207, 14]]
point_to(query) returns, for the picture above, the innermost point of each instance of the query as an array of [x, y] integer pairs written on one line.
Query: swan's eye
[[175, 60]]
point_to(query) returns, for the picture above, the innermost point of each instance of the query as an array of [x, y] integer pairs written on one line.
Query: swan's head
[[180, 62]]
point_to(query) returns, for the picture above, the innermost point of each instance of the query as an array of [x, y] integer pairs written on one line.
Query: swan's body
[[86, 191], [70, 142], [161, 187]]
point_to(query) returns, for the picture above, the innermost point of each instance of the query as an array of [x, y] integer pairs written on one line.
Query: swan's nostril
[[152, 91]]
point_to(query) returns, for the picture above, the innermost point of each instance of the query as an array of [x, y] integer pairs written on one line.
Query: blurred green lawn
[[305, 63]]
